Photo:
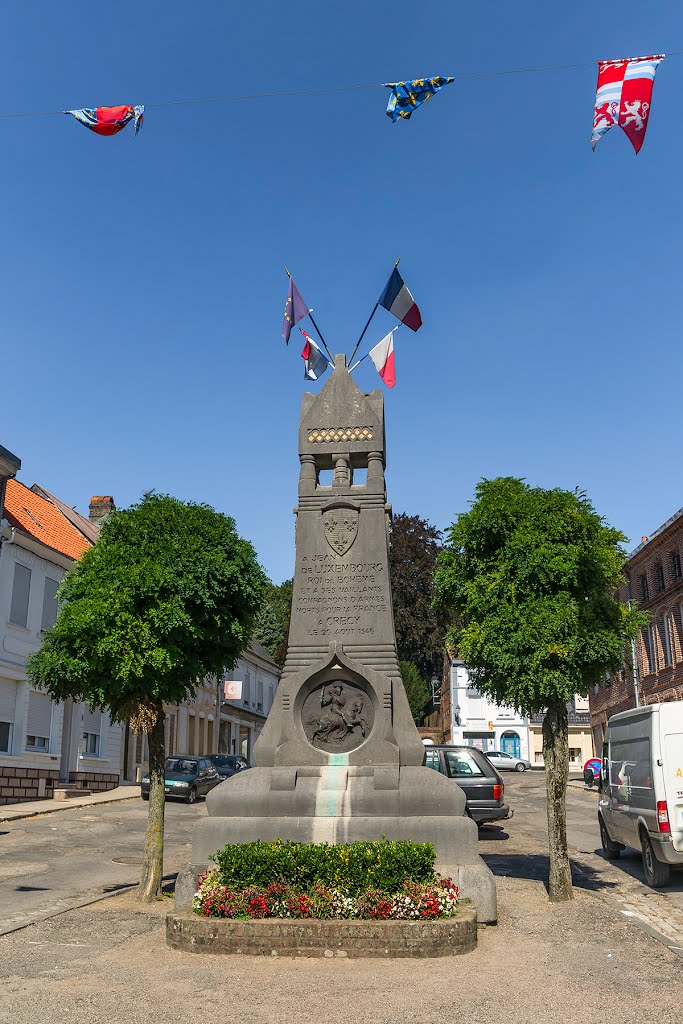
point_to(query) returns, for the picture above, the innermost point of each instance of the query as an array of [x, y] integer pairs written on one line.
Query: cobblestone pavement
[[621, 882]]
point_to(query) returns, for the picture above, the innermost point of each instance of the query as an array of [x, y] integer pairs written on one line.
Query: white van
[[641, 804]]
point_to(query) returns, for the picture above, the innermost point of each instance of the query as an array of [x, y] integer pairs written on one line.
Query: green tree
[[167, 596], [268, 628], [279, 601], [420, 626], [417, 690], [533, 574]]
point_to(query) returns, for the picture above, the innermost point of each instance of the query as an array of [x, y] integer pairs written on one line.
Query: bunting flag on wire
[[295, 310], [397, 299], [109, 120], [624, 96], [382, 356], [407, 96], [315, 362]]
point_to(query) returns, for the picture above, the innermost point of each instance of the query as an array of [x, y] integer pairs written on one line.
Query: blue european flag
[[407, 96]]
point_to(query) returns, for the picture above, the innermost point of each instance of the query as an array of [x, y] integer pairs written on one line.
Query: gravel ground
[[579, 962]]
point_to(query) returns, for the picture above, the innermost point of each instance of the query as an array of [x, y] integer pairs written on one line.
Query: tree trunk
[[556, 757], [153, 856]]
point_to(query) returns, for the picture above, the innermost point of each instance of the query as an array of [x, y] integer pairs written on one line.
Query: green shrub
[[351, 867]]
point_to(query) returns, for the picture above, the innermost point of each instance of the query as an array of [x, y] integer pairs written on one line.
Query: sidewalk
[[12, 812]]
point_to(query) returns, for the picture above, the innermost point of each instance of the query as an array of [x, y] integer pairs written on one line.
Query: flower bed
[[357, 881]]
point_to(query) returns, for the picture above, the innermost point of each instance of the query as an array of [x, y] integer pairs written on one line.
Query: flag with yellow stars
[[295, 310], [407, 96]]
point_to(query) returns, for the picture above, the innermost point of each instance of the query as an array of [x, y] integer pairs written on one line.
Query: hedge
[[349, 867]]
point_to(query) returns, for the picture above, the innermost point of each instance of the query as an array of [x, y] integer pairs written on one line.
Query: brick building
[[655, 584]]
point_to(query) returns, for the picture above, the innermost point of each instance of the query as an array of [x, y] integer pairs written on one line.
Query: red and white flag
[[624, 96], [382, 356]]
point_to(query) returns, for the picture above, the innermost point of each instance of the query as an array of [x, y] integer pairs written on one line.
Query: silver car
[[506, 762]]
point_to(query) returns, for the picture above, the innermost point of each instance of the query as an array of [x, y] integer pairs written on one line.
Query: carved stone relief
[[337, 717]]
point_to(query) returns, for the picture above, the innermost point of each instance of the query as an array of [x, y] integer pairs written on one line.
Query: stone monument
[[339, 758]]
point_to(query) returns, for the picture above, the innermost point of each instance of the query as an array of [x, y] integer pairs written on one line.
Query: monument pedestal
[[339, 758]]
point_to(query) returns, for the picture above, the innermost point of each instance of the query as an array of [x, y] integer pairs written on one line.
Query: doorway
[[510, 744]]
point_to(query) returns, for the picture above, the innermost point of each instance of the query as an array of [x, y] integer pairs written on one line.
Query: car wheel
[[192, 795], [611, 850], [145, 796], [656, 873], [520, 767]]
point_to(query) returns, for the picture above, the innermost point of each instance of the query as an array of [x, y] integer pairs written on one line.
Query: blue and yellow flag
[[407, 96]]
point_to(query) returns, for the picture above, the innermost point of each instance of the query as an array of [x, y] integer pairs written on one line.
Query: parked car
[[185, 777], [506, 762], [480, 782], [641, 804], [228, 764]]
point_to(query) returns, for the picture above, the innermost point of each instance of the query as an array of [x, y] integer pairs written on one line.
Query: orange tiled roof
[[27, 511]]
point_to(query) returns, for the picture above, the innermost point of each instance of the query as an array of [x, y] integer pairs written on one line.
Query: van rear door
[[673, 785]]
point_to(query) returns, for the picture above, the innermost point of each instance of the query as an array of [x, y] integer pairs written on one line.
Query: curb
[[61, 805], [88, 901]]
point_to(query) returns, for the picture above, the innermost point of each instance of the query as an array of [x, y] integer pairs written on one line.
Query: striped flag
[[315, 362], [400, 303], [382, 356]]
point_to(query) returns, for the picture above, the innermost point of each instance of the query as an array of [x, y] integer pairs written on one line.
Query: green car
[[185, 778]]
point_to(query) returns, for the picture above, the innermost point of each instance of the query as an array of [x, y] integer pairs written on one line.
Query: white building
[[478, 722], [43, 745]]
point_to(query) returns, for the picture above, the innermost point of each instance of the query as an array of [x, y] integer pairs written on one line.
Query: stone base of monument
[[191, 933], [345, 804]]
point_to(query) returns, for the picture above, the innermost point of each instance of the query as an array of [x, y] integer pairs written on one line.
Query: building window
[[5, 737], [259, 695], [575, 755], [8, 702], [246, 687], [49, 604], [666, 639], [91, 744], [21, 587], [644, 589], [658, 574], [650, 646], [675, 565], [39, 722]]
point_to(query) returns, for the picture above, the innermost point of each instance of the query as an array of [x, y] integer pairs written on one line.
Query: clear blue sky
[[142, 278]]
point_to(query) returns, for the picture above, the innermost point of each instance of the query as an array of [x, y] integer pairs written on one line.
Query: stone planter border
[[191, 933]]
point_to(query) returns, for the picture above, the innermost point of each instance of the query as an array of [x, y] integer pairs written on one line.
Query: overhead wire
[[232, 98]]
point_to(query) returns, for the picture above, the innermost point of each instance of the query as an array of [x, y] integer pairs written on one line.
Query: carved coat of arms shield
[[341, 526]]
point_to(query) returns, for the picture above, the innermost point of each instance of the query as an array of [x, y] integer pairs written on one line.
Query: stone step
[[68, 790]]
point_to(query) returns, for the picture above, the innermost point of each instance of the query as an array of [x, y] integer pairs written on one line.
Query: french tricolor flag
[[382, 356], [400, 303]]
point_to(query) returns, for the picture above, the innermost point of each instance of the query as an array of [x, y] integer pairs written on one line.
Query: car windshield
[[181, 765], [226, 761]]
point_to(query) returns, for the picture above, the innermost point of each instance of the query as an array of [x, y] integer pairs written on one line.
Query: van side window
[[630, 772], [432, 759]]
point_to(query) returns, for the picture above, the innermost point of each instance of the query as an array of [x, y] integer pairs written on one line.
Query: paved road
[[53, 861]]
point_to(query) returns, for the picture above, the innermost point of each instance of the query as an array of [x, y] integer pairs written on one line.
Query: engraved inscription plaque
[[337, 717]]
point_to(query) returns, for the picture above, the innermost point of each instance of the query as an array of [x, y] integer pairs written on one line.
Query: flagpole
[[369, 319], [317, 329]]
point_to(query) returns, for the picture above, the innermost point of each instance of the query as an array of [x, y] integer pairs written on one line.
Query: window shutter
[[92, 720], [49, 604], [39, 714], [8, 700], [20, 593]]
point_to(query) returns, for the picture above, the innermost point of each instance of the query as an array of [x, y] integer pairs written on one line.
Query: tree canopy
[[420, 627], [272, 622], [533, 574], [167, 595], [417, 690]]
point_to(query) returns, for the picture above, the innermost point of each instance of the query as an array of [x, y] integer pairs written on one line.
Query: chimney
[[9, 467], [101, 507]]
